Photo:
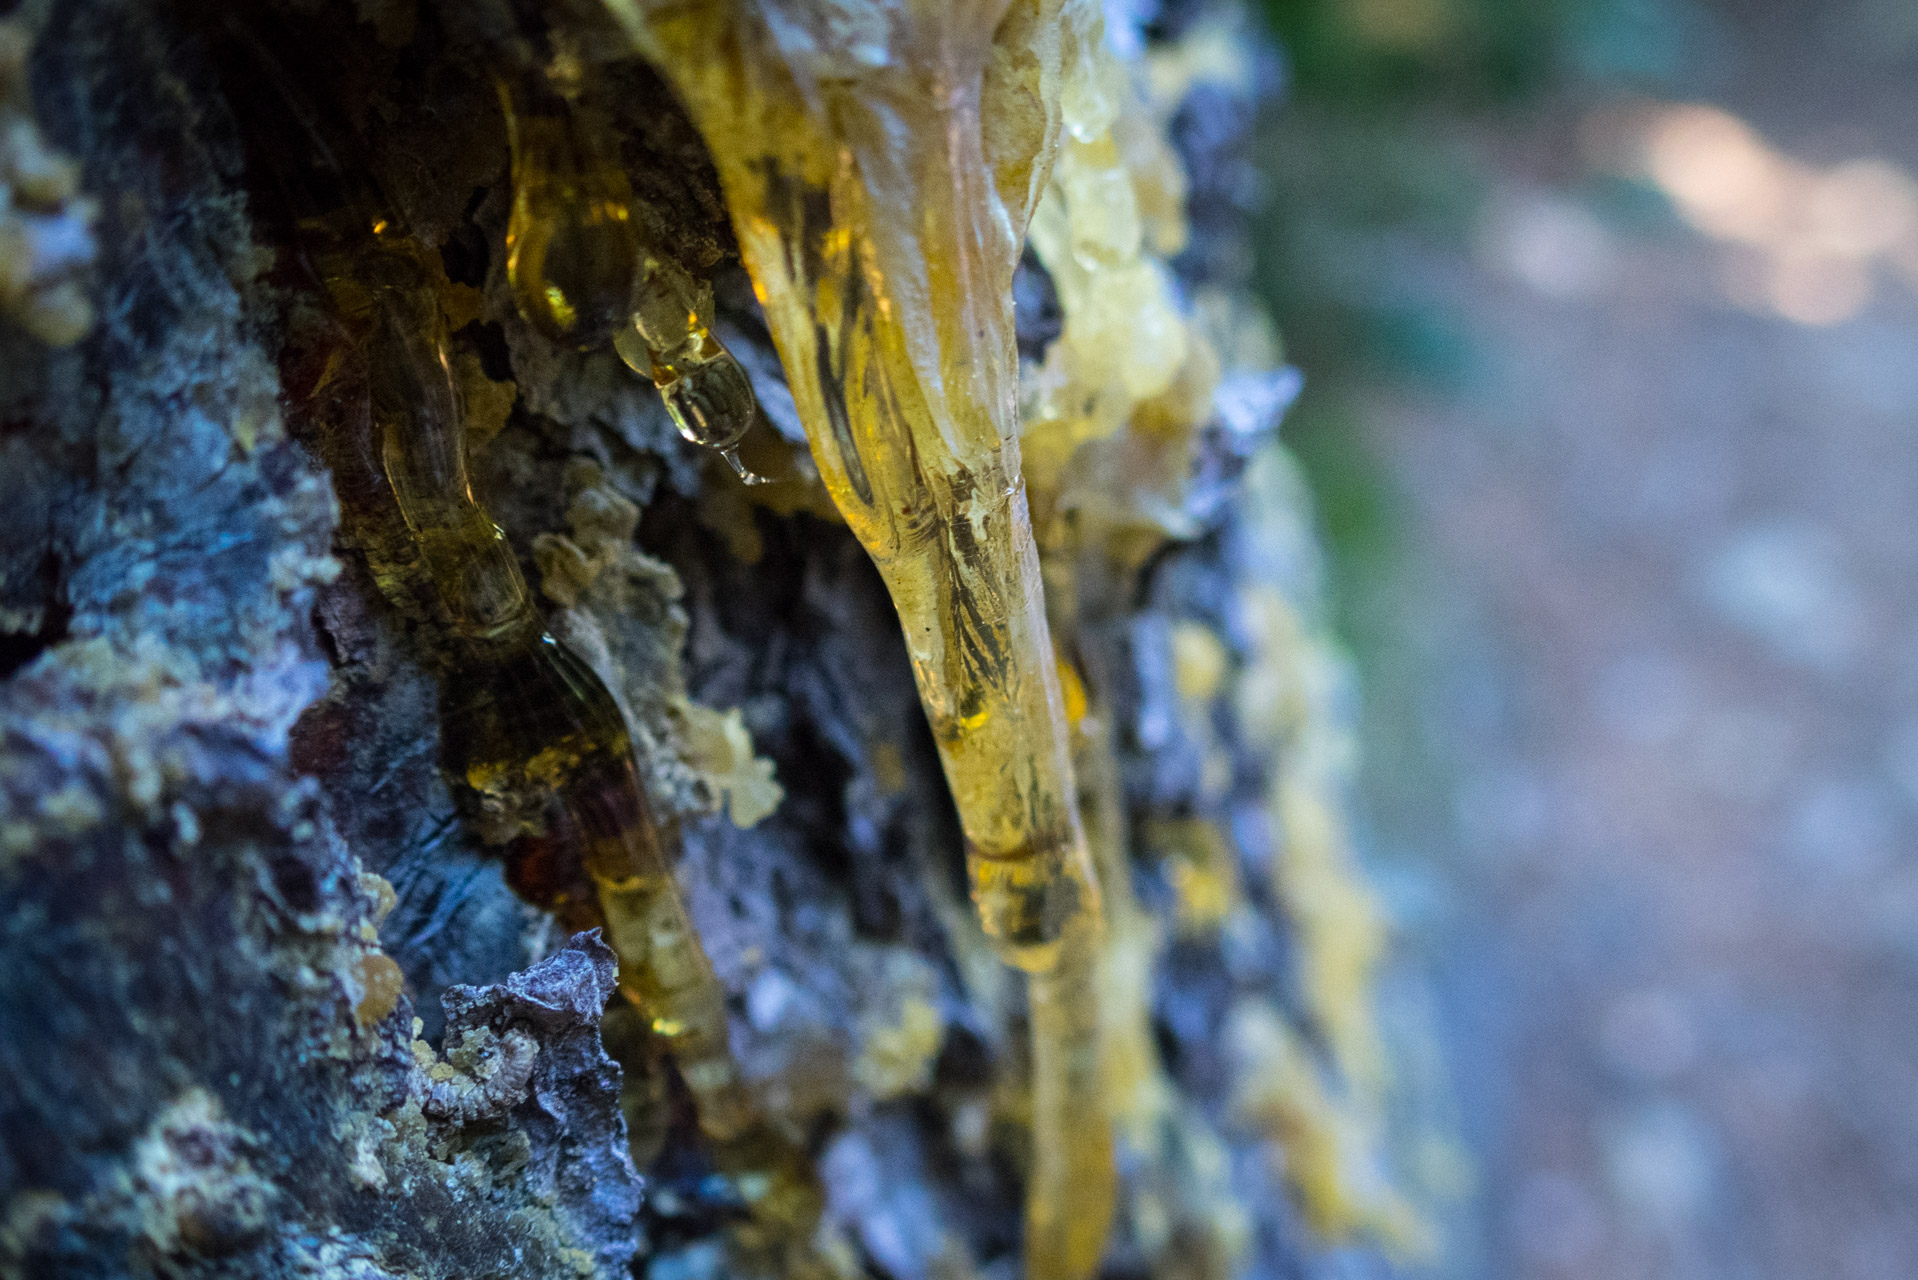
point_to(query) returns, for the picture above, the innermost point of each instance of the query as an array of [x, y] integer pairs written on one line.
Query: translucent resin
[[528, 726], [881, 220], [584, 269], [880, 163]]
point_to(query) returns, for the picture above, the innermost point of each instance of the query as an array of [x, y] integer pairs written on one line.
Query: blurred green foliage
[[1468, 53], [1374, 158], [1378, 52]]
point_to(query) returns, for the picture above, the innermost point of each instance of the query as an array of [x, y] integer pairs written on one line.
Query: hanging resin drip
[[880, 162], [873, 222], [671, 341], [584, 272]]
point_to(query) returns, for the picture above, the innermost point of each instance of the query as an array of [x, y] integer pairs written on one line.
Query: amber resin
[[880, 163], [1125, 373], [670, 339], [530, 729], [527, 726], [881, 223], [572, 248], [1111, 416], [540, 741], [1072, 1183]]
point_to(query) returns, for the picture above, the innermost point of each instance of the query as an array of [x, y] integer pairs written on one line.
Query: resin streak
[[585, 270], [528, 727]]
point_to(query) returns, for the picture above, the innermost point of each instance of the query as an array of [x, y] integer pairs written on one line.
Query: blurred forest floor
[[1623, 493]]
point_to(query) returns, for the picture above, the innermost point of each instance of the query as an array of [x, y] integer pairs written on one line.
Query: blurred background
[[1608, 311]]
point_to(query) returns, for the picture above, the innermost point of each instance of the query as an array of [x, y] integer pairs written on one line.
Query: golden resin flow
[[532, 728], [528, 727], [537, 735], [880, 164]]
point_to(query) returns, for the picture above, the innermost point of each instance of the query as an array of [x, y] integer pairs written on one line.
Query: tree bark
[[268, 1005]]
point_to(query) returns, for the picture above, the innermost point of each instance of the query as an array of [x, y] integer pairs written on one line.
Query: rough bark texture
[[219, 747]]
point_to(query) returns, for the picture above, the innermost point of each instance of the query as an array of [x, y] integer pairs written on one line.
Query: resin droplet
[[705, 389], [573, 261], [712, 404], [572, 251]]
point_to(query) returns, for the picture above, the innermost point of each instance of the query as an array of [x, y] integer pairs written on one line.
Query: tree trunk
[[270, 1006]]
